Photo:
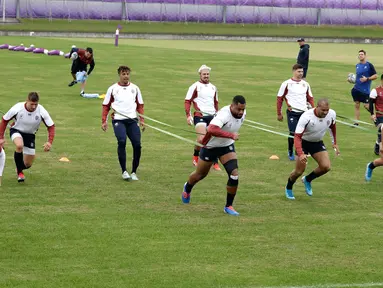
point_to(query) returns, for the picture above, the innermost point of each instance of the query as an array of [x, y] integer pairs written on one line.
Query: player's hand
[[47, 146], [235, 136], [189, 120], [336, 149], [104, 126], [363, 79], [280, 118], [303, 158], [143, 127], [2, 142], [373, 117]]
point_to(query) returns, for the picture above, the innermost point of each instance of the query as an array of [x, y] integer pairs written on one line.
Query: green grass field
[[79, 224]]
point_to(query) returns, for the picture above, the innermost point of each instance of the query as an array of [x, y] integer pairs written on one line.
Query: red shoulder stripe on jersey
[[188, 102], [106, 108], [51, 133]]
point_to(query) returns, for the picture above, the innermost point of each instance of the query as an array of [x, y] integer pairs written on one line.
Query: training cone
[[274, 157], [64, 159], [102, 96]]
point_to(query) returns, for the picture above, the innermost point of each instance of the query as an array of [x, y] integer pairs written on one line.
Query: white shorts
[[26, 150]]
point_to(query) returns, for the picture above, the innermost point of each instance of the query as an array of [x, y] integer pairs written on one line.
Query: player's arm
[[140, 105], [91, 67], [371, 101], [50, 127], [309, 96], [6, 118], [215, 127], [373, 73], [216, 100], [190, 95], [106, 104], [301, 127], [280, 96]]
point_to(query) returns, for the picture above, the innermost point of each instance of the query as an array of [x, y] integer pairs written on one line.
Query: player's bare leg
[[324, 166], [200, 129], [83, 87], [300, 167], [230, 162], [203, 168], [357, 111], [372, 165]]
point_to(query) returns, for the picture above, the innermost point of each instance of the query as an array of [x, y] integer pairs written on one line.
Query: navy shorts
[[292, 120], [203, 119], [305, 72], [212, 154], [359, 96], [127, 127], [313, 147]]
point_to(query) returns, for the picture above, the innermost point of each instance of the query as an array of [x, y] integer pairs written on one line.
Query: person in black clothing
[[303, 55], [79, 65]]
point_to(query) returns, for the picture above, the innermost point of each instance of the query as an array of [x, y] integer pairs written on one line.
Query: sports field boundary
[[187, 37]]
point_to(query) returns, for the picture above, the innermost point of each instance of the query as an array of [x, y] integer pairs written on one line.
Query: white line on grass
[[270, 131], [349, 285]]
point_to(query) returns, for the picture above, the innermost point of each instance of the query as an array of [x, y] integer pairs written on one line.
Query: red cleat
[[20, 177], [216, 167]]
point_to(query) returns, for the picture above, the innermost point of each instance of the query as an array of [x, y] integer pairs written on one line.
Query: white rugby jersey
[[313, 128], [204, 97], [124, 99], [296, 94], [225, 120], [26, 121]]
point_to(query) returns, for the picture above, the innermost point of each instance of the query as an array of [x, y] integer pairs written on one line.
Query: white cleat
[[125, 176], [133, 177]]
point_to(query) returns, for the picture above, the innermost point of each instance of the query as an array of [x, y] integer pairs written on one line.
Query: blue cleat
[[185, 196], [289, 194], [308, 189], [291, 156], [230, 210], [368, 174]]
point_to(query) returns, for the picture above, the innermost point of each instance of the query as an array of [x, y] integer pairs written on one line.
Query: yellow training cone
[[64, 159], [102, 96], [274, 157]]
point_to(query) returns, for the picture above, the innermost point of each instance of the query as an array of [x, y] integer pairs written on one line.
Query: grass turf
[[78, 224], [196, 28]]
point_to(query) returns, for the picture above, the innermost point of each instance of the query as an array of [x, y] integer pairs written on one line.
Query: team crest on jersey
[[36, 117], [328, 122], [304, 85], [133, 91]]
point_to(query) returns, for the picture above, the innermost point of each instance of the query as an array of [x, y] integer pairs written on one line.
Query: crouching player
[[219, 144], [79, 66], [311, 128], [27, 117]]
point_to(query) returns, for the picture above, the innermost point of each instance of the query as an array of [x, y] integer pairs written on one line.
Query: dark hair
[[90, 50], [364, 52], [381, 77], [33, 96], [123, 69], [239, 99], [297, 66]]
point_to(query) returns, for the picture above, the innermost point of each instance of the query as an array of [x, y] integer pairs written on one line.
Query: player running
[[26, 117], [204, 97], [311, 128], [219, 144]]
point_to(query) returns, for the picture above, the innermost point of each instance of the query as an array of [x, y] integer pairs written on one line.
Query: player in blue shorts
[[365, 73]]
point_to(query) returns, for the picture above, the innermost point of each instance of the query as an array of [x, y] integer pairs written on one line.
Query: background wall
[[314, 12]]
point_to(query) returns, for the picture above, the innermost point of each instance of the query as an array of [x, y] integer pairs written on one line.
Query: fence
[[312, 12]]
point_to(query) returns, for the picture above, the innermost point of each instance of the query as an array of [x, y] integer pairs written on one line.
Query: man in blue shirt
[[365, 73]]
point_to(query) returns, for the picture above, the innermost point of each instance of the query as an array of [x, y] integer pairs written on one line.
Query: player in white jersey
[[297, 93], [203, 95], [26, 117], [219, 144], [126, 100], [311, 128], [377, 162]]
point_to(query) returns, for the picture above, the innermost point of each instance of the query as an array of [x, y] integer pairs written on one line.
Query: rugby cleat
[[289, 194], [291, 156], [368, 173], [133, 177], [216, 167], [185, 196], [230, 210], [125, 176], [20, 177], [72, 83], [308, 189]]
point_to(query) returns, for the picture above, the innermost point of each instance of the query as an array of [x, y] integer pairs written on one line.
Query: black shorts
[[203, 119], [78, 66], [359, 96], [313, 147], [28, 140], [212, 154], [292, 120]]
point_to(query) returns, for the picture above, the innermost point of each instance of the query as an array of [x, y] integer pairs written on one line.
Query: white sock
[[2, 161]]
